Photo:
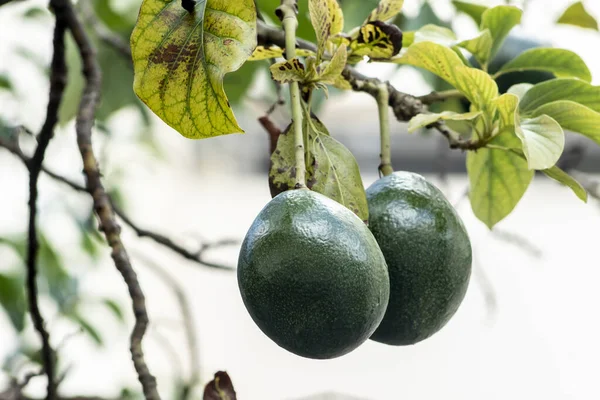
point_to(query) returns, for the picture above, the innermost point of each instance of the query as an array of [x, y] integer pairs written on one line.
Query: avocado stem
[[383, 97], [287, 14]]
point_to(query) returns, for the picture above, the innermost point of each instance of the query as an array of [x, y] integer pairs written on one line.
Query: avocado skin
[[312, 275], [428, 253]]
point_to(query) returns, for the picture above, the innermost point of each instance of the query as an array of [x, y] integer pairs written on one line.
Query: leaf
[[180, 60], [573, 117], [520, 90], [114, 308], [498, 179], [220, 388], [273, 51], [87, 327], [473, 10], [376, 40], [500, 20], [332, 70], [5, 83], [430, 33], [36, 12], [12, 299], [288, 71], [475, 84], [337, 17], [480, 46], [332, 170], [423, 120], [321, 22], [543, 141], [507, 109], [562, 63], [561, 89], [387, 9], [577, 15], [562, 177]]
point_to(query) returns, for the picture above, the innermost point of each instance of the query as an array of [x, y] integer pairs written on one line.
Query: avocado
[[428, 254], [312, 276]]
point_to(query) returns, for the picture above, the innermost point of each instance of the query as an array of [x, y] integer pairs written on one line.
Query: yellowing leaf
[[337, 17], [321, 22], [376, 40], [423, 120], [180, 59], [265, 53], [387, 9], [480, 46], [507, 107], [498, 179], [288, 71], [333, 68], [577, 15], [475, 84]]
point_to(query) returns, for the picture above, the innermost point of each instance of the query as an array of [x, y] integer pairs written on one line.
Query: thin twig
[[58, 78], [102, 203], [189, 324], [195, 256]]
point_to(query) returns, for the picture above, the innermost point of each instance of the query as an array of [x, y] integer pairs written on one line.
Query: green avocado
[[428, 254], [312, 275]]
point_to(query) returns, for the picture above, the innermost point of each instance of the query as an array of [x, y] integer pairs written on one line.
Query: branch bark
[[102, 205], [58, 78]]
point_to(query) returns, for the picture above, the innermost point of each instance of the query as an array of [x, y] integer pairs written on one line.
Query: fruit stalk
[[383, 97], [287, 14]]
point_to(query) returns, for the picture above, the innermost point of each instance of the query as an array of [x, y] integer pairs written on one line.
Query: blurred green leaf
[[5, 83], [114, 308], [237, 83], [500, 20], [473, 10], [36, 12], [87, 327], [562, 177], [480, 47], [12, 298], [573, 117], [113, 20], [577, 15]]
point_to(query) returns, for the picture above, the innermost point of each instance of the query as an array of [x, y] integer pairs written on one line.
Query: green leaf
[[573, 117], [500, 20], [332, 70], [520, 90], [430, 33], [376, 40], [562, 177], [543, 141], [422, 120], [87, 327], [562, 63], [577, 15], [387, 9], [498, 179], [180, 60], [475, 84], [507, 105], [561, 89], [332, 170], [473, 10], [36, 12], [12, 299], [114, 308], [480, 46], [5, 83]]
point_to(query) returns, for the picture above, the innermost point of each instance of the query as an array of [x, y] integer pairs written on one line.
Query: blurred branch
[[58, 79], [65, 15], [435, 97], [195, 256], [189, 324]]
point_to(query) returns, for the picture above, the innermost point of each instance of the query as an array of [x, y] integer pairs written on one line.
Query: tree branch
[[102, 204], [58, 78]]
